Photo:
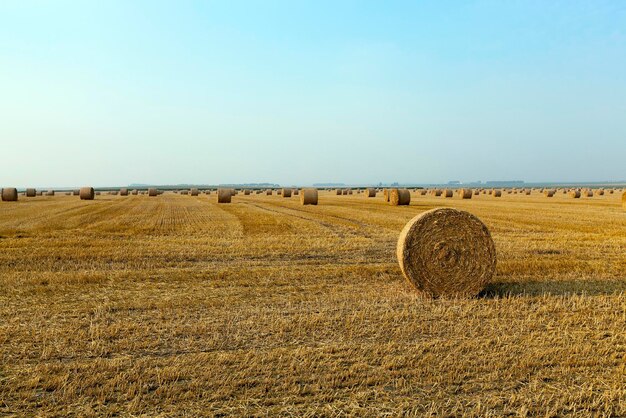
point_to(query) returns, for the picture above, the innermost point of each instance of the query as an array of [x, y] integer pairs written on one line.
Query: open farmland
[[177, 305]]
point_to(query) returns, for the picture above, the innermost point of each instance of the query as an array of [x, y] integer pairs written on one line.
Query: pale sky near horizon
[[300, 92]]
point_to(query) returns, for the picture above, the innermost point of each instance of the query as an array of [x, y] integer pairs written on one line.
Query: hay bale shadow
[[565, 287]]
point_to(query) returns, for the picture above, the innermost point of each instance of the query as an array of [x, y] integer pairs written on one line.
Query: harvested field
[[180, 305]]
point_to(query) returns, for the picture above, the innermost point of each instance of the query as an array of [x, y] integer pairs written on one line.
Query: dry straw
[[308, 197], [447, 252], [465, 193], [86, 193], [386, 195], [399, 197], [9, 194], [370, 192], [152, 192], [224, 195], [286, 192], [31, 192]]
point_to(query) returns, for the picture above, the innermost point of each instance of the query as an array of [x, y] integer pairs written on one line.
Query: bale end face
[[447, 253]]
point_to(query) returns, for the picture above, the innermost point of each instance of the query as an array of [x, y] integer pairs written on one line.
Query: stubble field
[[175, 305]]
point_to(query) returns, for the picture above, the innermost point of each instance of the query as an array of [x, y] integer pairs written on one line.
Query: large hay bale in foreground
[[9, 194], [447, 252], [86, 193], [31, 192], [370, 192], [224, 195], [308, 197], [286, 192], [399, 197], [152, 192], [465, 193]]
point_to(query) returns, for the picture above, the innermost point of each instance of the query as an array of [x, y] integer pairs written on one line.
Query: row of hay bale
[[307, 196]]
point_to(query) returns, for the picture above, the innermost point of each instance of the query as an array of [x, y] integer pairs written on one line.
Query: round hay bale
[[600, 192], [589, 193], [286, 192], [438, 192], [624, 200], [465, 193], [184, 192], [9, 194], [399, 197], [549, 193], [194, 192], [152, 192], [39, 193], [68, 193], [447, 252], [448, 193], [575, 194], [31, 192], [386, 195], [269, 192], [497, 193], [76, 192], [86, 193], [246, 192], [339, 192], [370, 192], [476, 192], [423, 192], [224, 195], [296, 192], [50, 193], [308, 197], [279, 192], [124, 192], [134, 192]]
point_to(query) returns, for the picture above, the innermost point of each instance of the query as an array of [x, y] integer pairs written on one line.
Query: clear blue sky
[[116, 92]]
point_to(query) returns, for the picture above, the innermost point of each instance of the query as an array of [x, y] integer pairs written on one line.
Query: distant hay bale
[[269, 192], [370, 192], [308, 197], [399, 197], [86, 193], [246, 192], [575, 194], [497, 193], [476, 192], [286, 192], [224, 195], [9, 194], [113, 192], [76, 192], [349, 191], [438, 192], [184, 192], [527, 191], [152, 192], [50, 193], [447, 253], [423, 192], [589, 193], [194, 192], [279, 192], [124, 192], [296, 192], [68, 193], [31, 192], [549, 193], [448, 193], [339, 192], [134, 192], [465, 193], [600, 192], [39, 193], [344, 192]]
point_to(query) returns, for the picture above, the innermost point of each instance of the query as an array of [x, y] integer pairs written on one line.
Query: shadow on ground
[[567, 287]]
